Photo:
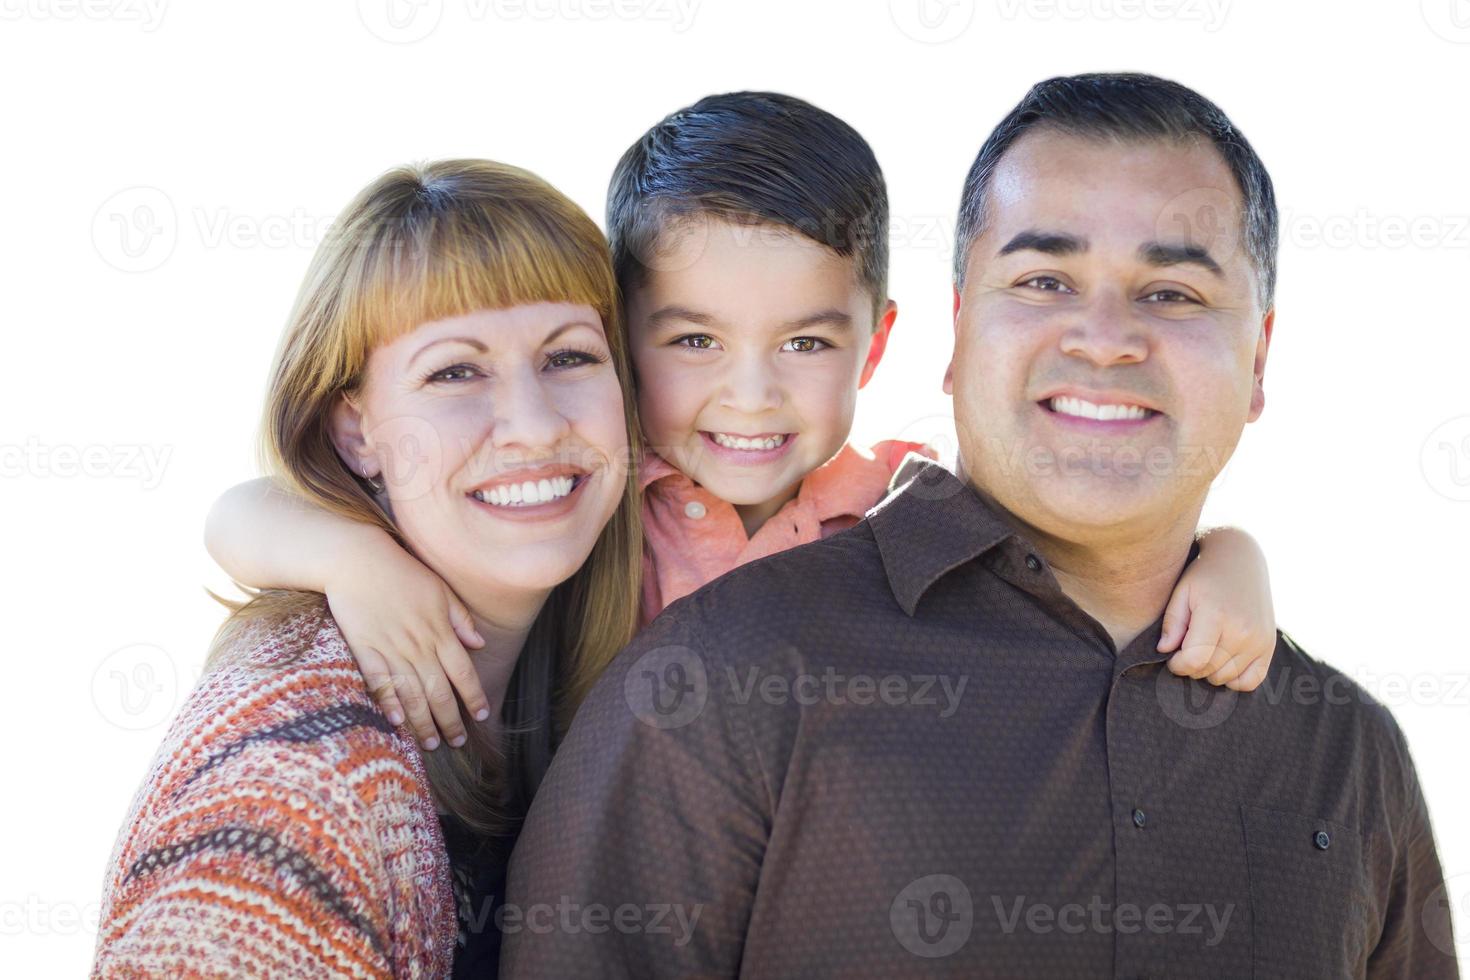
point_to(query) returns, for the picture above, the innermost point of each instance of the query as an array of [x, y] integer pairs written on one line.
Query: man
[[943, 742]]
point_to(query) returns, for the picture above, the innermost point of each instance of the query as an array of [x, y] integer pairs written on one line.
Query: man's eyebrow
[[1171, 253], [1049, 242], [468, 341]]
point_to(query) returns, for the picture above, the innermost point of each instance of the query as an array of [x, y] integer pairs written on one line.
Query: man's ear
[[879, 341], [1263, 347], [949, 371], [345, 427]]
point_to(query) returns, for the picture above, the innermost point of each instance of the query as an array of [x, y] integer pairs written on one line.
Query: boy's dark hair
[[1129, 106], [752, 157]]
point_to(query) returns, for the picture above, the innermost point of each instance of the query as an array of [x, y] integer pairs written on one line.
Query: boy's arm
[[405, 627], [1220, 617], [641, 852]]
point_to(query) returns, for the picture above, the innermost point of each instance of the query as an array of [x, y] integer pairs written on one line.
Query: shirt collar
[[931, 523]]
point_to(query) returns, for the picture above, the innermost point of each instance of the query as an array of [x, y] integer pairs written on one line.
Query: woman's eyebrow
[[467, 341], [571, 325]]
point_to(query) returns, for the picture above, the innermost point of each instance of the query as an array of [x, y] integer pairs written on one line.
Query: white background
[[168, 169]]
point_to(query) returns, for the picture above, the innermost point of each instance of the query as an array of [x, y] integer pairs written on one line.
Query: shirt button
[[1033, 563], [1139, 819], [694, 509], [1322, 840]]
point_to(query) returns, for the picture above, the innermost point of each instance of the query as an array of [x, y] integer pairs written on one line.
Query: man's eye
[[697, 341], [1168, 296], [805, 345], [1048, 284]]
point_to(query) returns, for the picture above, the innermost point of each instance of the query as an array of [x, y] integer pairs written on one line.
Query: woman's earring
[[375, 485]]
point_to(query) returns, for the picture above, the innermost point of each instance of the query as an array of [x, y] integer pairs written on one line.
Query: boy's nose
[[751, 388]]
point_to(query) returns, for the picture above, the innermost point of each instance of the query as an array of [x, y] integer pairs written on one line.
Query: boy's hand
[[1220, 618], [408, 632]]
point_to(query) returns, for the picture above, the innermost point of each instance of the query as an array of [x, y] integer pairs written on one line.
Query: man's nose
[[1107, 331]]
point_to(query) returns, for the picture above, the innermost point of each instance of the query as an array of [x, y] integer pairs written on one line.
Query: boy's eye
[[805, 345], [1046, 284], [697, 341]]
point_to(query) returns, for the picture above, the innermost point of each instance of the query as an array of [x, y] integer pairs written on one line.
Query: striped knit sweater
[[285, 829]]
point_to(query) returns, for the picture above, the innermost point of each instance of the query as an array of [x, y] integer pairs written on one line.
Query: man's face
[[1108, 351]]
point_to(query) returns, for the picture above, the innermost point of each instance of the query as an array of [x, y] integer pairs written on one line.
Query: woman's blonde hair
[[422, 243]]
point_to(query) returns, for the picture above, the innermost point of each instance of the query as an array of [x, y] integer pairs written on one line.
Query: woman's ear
[[346, 430]]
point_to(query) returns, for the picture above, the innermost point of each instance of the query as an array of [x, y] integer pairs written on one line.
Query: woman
[[455, 373]]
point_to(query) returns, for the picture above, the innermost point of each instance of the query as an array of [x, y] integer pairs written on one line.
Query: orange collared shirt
[[691, 537]]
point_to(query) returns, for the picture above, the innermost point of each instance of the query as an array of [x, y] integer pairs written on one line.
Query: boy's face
[[750, 343]]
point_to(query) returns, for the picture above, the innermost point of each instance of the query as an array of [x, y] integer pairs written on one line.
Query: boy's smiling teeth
[[527, 493], [741, 442], [1081, 408]]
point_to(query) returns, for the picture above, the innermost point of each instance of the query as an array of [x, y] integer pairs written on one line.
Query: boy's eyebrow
[[664, 314], [833, 318]]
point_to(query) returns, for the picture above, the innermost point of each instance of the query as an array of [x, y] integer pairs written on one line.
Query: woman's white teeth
[[1105, 413], [740, 442], [522, 494]]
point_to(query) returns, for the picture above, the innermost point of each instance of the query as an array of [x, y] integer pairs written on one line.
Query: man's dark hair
[[1132, 107], [752, 157]]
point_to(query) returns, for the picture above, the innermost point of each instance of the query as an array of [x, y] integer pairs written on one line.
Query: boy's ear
[[345, 428], [879, 341]]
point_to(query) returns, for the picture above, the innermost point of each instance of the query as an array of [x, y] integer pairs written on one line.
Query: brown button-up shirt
[[904, 751]]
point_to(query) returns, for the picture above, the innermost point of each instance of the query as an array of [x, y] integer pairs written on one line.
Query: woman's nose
[[527, 414]]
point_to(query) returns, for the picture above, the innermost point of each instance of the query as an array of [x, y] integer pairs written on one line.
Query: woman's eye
[[457, 372], [1047, 284], [697, 341], [1168, 296], [573, 358], [805, 345]]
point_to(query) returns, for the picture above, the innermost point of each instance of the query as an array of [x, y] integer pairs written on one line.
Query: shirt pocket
[[1308, 891]]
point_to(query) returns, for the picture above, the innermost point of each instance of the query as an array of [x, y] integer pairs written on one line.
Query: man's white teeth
[[740, 442], [1104, 413], [523, 494]]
